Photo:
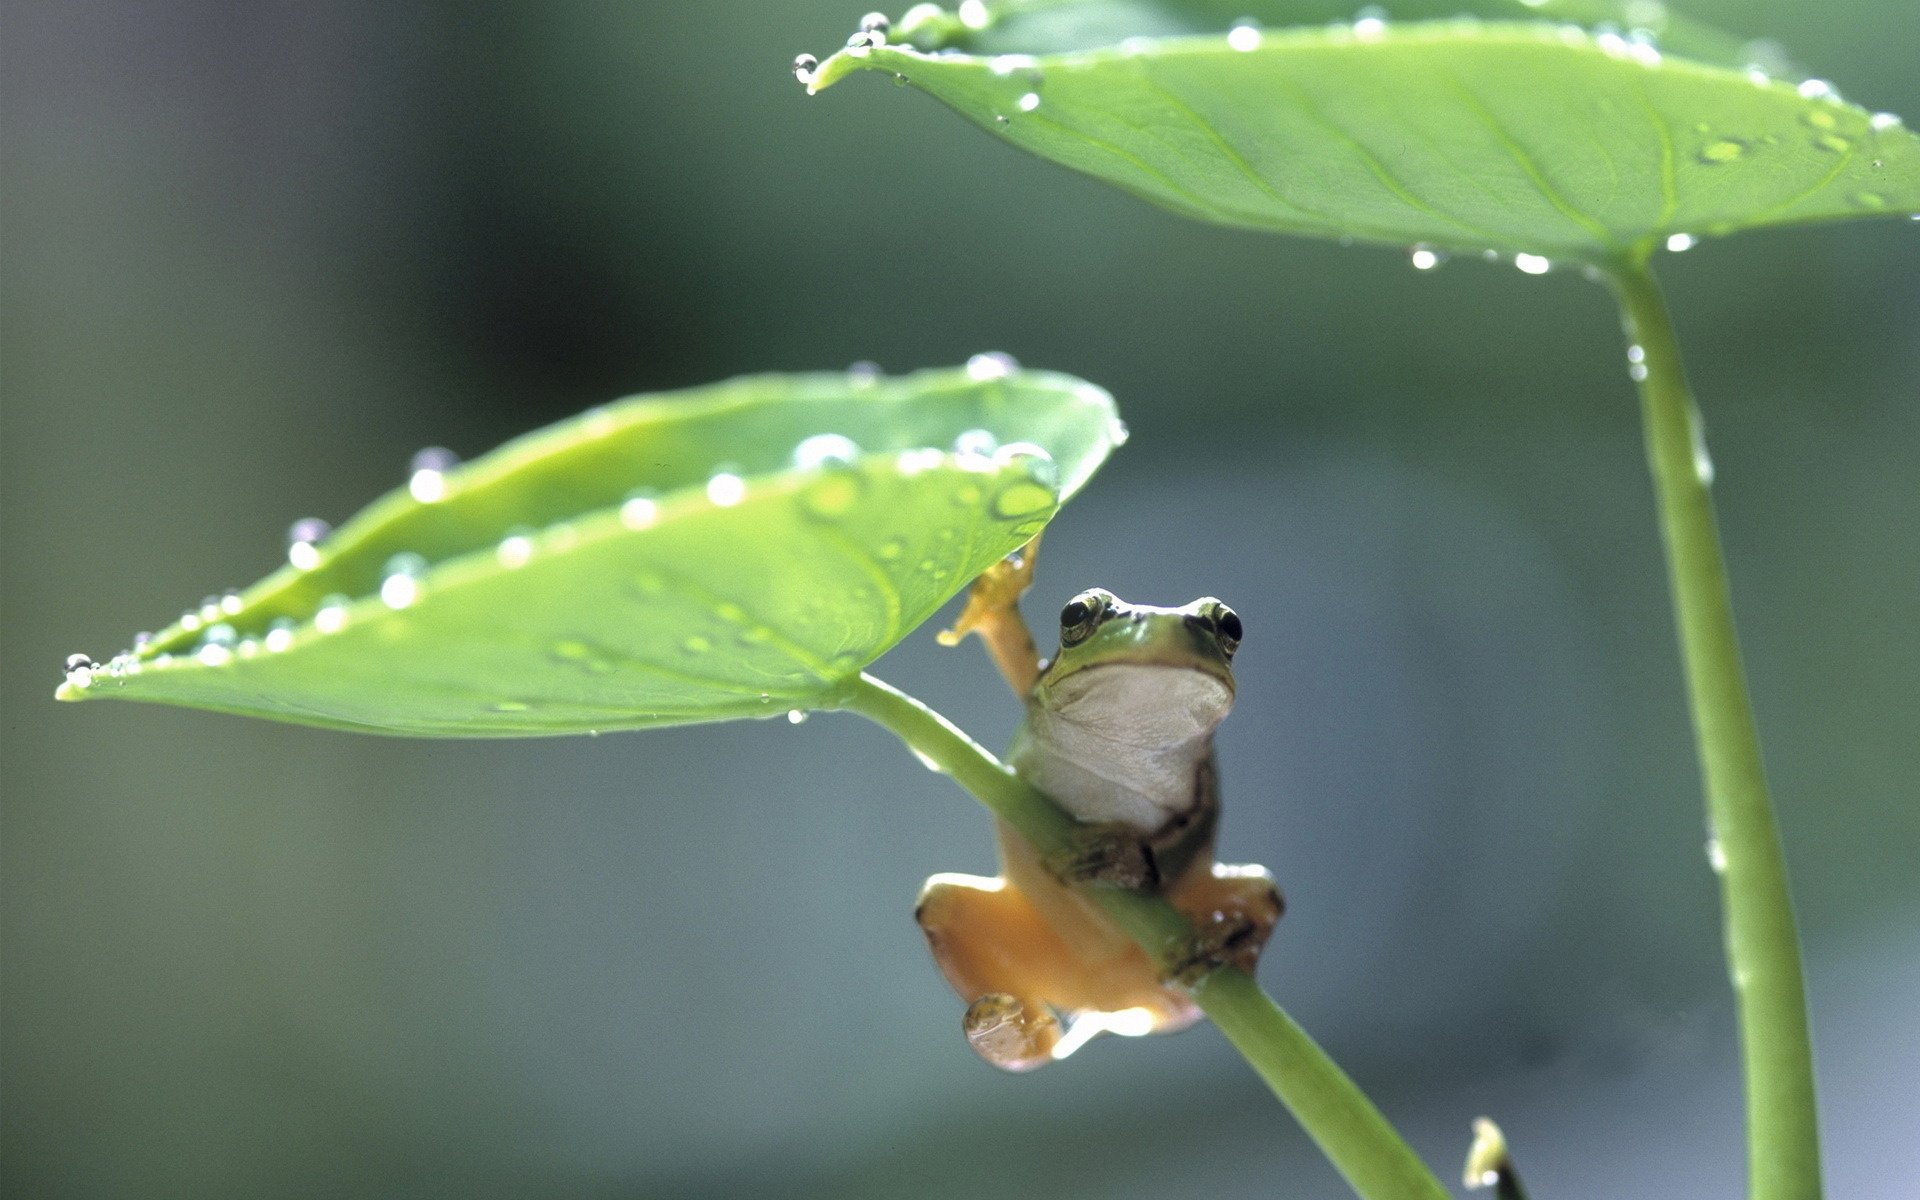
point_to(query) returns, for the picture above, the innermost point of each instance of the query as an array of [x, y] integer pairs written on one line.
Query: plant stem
[[1763, 950], [1347, 1127]]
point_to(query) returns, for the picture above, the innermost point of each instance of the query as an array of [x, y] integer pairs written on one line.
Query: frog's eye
[[1227, 622], [1082, 616]]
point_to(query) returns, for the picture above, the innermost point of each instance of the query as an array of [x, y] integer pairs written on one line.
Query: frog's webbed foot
[[1013, 1034], [1109, 852], [1233, 910], [993, 612]]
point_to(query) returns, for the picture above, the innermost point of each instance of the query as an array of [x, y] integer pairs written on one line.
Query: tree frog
[[1119, 731]]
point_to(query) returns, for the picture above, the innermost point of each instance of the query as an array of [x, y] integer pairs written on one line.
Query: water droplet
[[1702, 461], [332, 615], [1722, 150], [142, 640], [1425, 259], [726, 488], [1370, 23], [1244, 36], [1870, 200], [222, 634], [1029, 102], [696, 645], [650, 584], [640, 510], [189, 622], [400, 586], [834, 494], [214, 655], [511, 706], [975, 449], [1681, 242], [1882, 121], [796, 716], [913, 462], [1637, 372], [1833, 142], [302, 542], [973, 14], [999, 118], [862, 44], [279, 634], [1817, 89], [823, 449], [77, 662], [428, 481], [1533, 264], [1636, 353], [1022, 498], [875, 21], [991, 365], [1034, 459], [863, 373], [804, 65], [515, 550], [1716, 856]]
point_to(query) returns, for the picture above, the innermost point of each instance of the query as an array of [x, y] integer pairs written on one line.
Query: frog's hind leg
[[994, 949], [993, 612], [1233, 910], [1020, 978]]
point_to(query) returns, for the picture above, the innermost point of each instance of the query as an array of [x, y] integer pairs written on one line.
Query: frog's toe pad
[[1010, 1033]]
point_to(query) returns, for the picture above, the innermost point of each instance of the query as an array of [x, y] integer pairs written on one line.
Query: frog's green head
[[1156, 672]]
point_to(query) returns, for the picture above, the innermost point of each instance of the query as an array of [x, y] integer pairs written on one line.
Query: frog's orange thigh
[[986, 938]]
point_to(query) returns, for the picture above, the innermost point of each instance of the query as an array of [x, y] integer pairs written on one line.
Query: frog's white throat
[[1123, 741]]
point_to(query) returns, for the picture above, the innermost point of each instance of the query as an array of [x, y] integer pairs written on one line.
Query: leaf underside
[[657, 561], [1523, 137]]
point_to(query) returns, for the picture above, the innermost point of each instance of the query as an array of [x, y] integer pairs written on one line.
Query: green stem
[[1347, 1127], [1763, 950]]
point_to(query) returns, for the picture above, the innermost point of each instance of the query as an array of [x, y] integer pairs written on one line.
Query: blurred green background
[[255, 255]]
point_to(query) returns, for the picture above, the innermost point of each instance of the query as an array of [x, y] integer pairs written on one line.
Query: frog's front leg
[[993, 612], [1233, 910]]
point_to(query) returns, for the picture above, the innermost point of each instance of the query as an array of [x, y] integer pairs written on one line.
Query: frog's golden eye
[[1226, 623], [1082, 616]]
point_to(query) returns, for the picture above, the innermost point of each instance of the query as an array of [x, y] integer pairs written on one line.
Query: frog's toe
[[1011, 1033], [1233, 910]]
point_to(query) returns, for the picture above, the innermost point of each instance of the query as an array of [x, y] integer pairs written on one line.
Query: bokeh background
[[256, 254]]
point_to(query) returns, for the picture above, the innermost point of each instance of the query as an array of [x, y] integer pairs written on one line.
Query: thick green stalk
[[1763, 950], [1349, 1130]]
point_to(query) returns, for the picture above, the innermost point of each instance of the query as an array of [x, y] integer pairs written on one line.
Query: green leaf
[[733, 551], [1529, 137]]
